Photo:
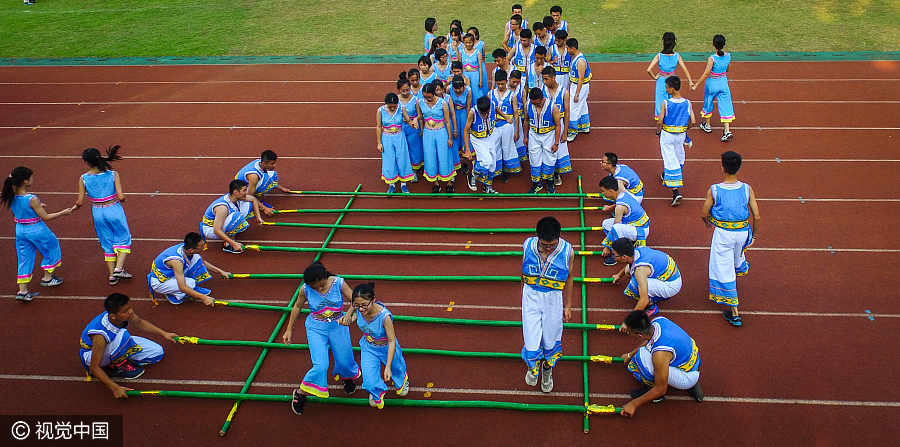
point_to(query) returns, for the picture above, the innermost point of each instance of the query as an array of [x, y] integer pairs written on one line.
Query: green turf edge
[[777, 56]]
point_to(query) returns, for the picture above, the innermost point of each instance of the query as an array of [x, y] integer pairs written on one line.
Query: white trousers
[[677, 378]]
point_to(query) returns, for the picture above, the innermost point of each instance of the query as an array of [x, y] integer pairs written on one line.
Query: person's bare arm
[[38, 208], [707, 205], [661, 361]]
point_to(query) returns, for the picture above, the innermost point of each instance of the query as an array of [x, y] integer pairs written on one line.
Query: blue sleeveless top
[[559, 99], [328, 307], [503, 104], [720, 65], [373, 331], [193, 267], [678, 115], [518, 94], [433, 114], [267, 179], [669, 337], [730, 210], [410, 106], [22, 210], [521, 60], [667, 64], [209, 216], [469, 61], [101, 325], [630, 178], [459, 102], [563, 61], [425, 42], [546, 275], [391, 123], [534, 77], [541, 121], [482, 128], [635, 214], [443, 75], [573, 73], [100, 187], [662, 266]]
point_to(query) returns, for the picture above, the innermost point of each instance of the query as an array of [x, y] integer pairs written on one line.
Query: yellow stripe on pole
[[251, 247], [600, 409], [150, 393], [606, 327], [592, 280]]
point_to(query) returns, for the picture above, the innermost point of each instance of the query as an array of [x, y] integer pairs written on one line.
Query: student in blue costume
[[628, 179], [667, 61], [562, 60], [556, 12], [227, 216], [326, 330], [103, 187], [461, 96], [667, 356], [179, 270], [560, 98], [32, 234], [518, 89], [511, 34], [426, 70], [413, 136], [728, 209], [579, 89], [395, 166], [454, 43], [107, 342], [378, 346], [471, 62], [654, 275], [479, 45], [629, 219], [675, 117], [507, 133], [522, 54], [261, 178], [442, 67], [431, 29], [437, 143], [717, 89]]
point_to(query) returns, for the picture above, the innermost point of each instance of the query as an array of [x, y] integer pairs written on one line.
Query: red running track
[[808, 367]]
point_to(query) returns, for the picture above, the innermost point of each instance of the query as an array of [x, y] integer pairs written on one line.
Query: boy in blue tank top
[[546, 279], [727, 208], [666, 357], [675, 117]]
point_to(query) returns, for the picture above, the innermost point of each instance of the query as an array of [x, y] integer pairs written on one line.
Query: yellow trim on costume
[[482, 134], [314, 391], [24, 280], [208, 222], [674, 129], [543, 282], [723, 299], [543, 130], [84, 345], [641, 221], [637, 189], [156, 272], [695, 355], [670, 270], [729, 225]]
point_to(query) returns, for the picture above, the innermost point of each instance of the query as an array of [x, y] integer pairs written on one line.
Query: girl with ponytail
[[32, 234], [104, 188]]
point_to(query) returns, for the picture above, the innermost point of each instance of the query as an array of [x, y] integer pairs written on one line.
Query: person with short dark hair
[[511, 34], [579, 89], [676, 116], [562, 60], [261, 178], [518, 90], [179, 270], [551, 28], [431, 29], [534, 70], [628, 179], [629, 219], [542, 139], [556, 12], [472, 64], [522, 54], [459, 97], [480, 143], [541, 37], [227, 216], [560, 98], [107, 341], [667, 356], [654, 274], [501, 63], [546, 281], [728, 208], [505, 101]]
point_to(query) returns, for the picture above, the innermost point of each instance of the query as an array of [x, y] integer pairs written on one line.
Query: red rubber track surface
[[824, 169]]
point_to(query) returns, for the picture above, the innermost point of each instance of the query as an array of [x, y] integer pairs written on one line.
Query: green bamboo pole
[[445, 195], [436, 210], [436, 229], [420, 351], [406, 277], [589, 409], [275, 332], [408, 318], [357, 251], [584, 337]]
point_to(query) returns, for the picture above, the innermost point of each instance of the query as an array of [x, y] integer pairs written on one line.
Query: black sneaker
[[735, 321], [27, 296], [550, 188], [610, 261], [299, 401], [535, 187], [471, 180], [677, 199], [435, 189], [696, 392], [727, 136], [450, 189], [557, 180], [636, 393], [504, 177], [228, 248], [704, 126], [349, 386], [126, 371]]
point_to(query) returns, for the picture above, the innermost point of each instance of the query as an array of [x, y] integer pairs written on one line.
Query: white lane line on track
[[38, 126], [519, 308], [475, 391], [262, 102], [431, 244]]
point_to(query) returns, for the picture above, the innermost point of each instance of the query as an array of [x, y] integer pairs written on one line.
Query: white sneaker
[[530, 379], [571, 137], [375, 405], [415, 178], [404, 390], [546, 380]]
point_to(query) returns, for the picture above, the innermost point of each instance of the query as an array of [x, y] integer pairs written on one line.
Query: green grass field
[[67, 28]]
